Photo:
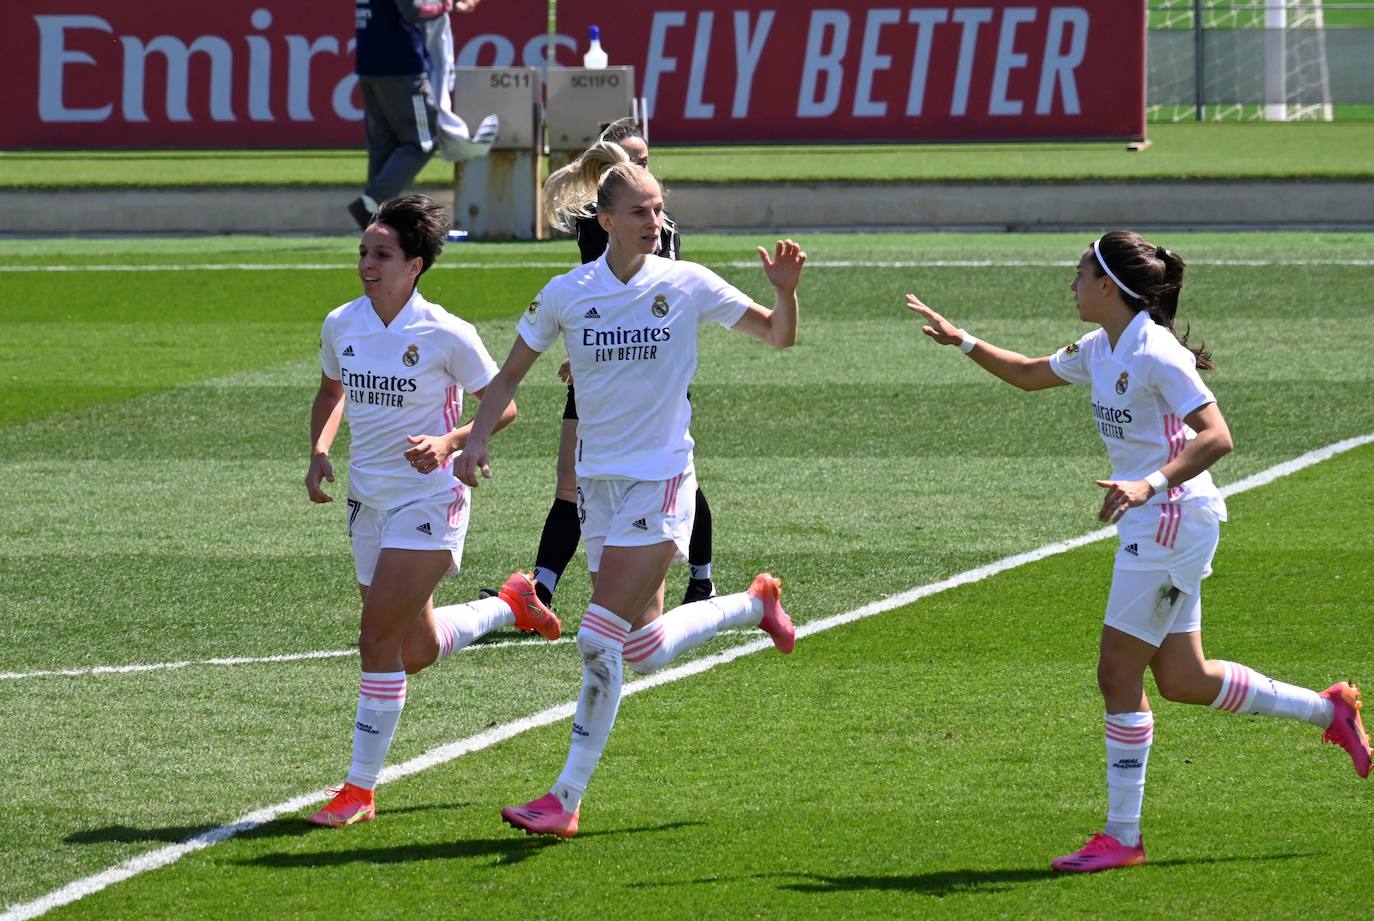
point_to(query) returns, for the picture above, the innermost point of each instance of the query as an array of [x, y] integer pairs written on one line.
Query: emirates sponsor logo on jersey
[[1123, 382], [660, 306], [411, 358]]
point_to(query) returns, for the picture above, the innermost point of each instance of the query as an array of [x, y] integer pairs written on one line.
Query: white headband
[[1097, 251]]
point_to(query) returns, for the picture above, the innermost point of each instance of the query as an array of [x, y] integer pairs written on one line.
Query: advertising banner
[[279, 73]]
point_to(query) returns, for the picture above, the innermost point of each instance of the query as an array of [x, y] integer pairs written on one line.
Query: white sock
[[650, 648], [1244, 690], [381, 697], [701, 572], [601, 640], [1128, 750], [546, 577], [460, 624]]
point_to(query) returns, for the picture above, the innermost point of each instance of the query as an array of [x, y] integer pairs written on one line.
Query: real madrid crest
[[660, 307], [534, 308], [411, 358], [1123, 381]]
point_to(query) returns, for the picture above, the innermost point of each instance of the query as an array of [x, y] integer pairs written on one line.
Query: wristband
[[1158, 481], [967, 343]]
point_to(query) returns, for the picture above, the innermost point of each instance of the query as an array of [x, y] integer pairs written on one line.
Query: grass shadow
[[175, 834], [507, 850], [951, 882]]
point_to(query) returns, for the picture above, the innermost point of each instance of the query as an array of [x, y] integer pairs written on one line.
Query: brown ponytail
[[1155, 275]]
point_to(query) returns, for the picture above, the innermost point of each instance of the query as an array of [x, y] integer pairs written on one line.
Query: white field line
[[444, 753], [263, 660], [732, 264]]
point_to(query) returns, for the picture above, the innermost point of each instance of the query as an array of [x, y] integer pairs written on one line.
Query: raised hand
[[784, 269], [937, 327]]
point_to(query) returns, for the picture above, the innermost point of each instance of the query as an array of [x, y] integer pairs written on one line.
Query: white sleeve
[[720, 302], [1071, 363], [1174, 375], [329, 356], [469, 361], [539, 324]]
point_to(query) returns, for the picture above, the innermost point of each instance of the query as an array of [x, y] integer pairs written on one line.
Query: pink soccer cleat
[[1102, 852], [768, 589], [531, 614], [544, 816], [349, 806], [1346, 729]]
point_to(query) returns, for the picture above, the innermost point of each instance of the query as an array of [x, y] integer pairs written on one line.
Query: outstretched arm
[[1013, 367], [777, 327], [497, 396]]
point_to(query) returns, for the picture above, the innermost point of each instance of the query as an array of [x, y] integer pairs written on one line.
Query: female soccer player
[[629, 321], [570, 203], [1163, 430], [397, 366]]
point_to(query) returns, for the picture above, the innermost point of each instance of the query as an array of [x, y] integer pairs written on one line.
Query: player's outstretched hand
[[565, 371], [427, 452], [784, 269], [1122, 495], [937, 327], [320, 469], [473, 459]]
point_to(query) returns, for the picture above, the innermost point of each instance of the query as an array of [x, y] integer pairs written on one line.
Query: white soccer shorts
[[438, 522], [620, 512], [1164, 553]]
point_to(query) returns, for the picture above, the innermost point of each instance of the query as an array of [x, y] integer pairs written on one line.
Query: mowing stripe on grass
[[730, 264], [167, 855]]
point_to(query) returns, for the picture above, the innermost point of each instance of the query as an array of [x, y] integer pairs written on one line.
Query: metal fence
[[1276, 60]]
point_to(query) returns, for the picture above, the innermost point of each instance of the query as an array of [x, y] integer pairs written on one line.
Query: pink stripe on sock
[[601, 625], [654, 638], [1238, 677], [1130, 733], [643, 652]]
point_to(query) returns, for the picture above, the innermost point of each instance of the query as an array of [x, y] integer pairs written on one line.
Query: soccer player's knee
[[650, 663]]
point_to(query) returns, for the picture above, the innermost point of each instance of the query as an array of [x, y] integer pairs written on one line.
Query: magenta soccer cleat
[[544, 816], [768, 589], [1102, 852], [1346, 729]]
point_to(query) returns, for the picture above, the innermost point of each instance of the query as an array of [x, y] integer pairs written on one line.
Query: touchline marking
[[728, 264], [244, 660], [445, 753]]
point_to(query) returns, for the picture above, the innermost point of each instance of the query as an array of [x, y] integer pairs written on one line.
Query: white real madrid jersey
[[403, 379], [633, 349], [1141, 392]]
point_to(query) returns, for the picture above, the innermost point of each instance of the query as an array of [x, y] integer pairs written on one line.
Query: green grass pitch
[[923, 763]]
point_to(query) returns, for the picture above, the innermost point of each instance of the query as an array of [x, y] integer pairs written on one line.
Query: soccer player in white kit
[[1163, 430], [629, 321], [396, 366]]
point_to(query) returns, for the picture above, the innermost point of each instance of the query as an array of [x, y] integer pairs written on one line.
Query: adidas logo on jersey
[[424, 529], [1132, 549], [641, 524], [591, 315], [348, 352]]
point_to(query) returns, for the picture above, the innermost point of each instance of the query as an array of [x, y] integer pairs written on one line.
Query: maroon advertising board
[[279, 73]]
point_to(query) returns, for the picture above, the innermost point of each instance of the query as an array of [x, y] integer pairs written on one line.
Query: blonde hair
[[569, 192], [618, 177]]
